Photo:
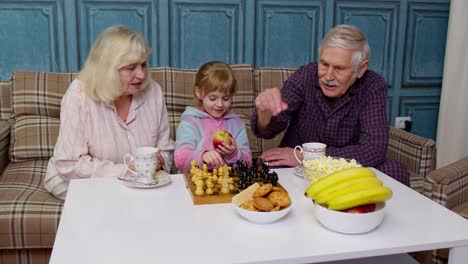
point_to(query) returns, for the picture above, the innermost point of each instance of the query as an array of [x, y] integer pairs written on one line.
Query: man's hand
[[213, 159], [280, 157], [270, 101], [225, 149]]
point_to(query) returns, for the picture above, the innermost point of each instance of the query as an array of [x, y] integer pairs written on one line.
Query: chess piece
[[225, 185], [199, 185]]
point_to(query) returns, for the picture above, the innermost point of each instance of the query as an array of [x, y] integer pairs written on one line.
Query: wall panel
[[425, 48], [424, 113], [206, 30], [380, 24], [96, 15], [32, 36], [288, 32]]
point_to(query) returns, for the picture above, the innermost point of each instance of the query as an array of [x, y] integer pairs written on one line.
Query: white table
[[104, 221]]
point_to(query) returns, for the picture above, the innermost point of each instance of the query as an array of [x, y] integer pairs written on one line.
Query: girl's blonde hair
[[116, 47], [215, 76]]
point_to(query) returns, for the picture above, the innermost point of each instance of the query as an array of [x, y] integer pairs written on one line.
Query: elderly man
[[336, 101]]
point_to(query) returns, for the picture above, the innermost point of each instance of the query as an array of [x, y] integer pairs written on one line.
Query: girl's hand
[[213, 159], [227, 150]]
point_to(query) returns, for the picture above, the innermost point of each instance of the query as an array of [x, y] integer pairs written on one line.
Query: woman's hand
[[130, 169], [227, 150], [161, 161], [213, 159]]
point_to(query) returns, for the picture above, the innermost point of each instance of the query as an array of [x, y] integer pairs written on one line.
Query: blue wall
[[407, 38]]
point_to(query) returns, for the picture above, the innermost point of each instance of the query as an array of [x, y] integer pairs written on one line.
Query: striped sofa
[[29, 126]]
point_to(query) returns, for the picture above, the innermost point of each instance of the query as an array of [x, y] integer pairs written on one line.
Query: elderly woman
[[110, 109]]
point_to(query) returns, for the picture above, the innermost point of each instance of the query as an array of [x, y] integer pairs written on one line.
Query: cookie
[[274, 197], [279, 189], [263, 190], [248, 205], [276, 208], [263, 204], [284, 200]]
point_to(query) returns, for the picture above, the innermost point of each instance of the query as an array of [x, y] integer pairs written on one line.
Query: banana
[[336, 178], [347, 187], [357, 198]]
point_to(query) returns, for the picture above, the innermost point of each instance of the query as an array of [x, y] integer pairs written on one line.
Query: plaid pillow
[[5, 100], [39, 93], [4, 143], [33, 137], [269, 78]]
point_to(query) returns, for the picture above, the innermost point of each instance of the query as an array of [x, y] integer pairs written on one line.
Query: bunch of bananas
[[348, 188]]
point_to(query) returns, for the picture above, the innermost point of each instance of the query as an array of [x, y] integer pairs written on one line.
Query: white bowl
[[254, 216], [349, 223], [261, 217]]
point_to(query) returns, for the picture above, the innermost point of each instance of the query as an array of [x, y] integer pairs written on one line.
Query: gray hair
[[348, 37]]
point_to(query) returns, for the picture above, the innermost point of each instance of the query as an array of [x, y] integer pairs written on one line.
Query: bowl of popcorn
[[315, 169], [262, 204]]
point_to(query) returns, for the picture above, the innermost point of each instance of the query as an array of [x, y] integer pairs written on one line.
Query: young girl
[[214, 87]]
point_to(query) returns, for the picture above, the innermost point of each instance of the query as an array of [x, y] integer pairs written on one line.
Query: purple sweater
[[355, 127]]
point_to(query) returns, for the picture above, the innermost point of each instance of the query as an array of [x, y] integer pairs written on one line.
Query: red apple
[[222, 136], [362, 209]]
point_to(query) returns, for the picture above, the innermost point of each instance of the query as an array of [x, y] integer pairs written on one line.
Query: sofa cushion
[[462, 209], [33, 137], [39, 93], [5, 100], [448, 185], [417, 154], [29, 214], [30, 256], [268, 78]]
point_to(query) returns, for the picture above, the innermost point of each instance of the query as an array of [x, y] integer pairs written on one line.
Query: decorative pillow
[[33, 137], [5, 103], [39, 93], [269, 78]]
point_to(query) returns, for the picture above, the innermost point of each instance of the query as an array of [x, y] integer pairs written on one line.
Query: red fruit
[[362, 209], [222, 136]]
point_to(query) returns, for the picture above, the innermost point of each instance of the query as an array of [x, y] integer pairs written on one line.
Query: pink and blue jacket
[[195, 132]]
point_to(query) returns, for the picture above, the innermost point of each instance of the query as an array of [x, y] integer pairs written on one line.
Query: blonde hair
[[348, 37], [215, 76], [116, 47]]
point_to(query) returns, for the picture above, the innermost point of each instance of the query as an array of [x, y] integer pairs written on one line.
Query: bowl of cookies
[[262, 204]]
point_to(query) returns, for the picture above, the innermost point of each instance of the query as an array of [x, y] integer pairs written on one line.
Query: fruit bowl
[[256, 216], [349, 223]]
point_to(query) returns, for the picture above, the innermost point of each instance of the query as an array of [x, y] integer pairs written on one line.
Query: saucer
[[164, 178]]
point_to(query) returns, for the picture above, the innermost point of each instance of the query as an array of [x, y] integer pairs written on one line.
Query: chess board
[[214, 198]]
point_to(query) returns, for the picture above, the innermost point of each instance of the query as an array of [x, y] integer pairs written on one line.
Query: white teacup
[[145, 161], [311, 150]]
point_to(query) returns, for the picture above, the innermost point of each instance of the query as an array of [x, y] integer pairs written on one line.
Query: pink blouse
[[93, 138]]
